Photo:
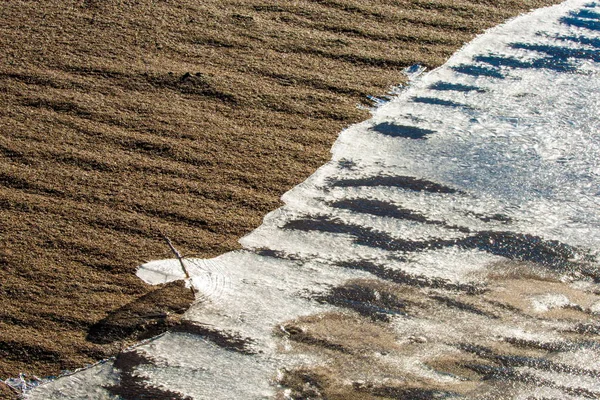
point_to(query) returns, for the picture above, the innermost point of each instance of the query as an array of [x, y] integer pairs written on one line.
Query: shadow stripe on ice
[[514, 246], [586, 13], [593, 42], [581, 23], [552, 63], [401, 131], [232, 341], [477, 70], [385, 209], [439, 102], [403, 182], [457, 87], [559, 54]]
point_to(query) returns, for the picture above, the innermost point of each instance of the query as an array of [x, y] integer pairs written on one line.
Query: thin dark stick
[[180, 258]]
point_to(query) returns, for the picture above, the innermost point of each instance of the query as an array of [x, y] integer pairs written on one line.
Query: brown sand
[[444, 333], [121, 118]]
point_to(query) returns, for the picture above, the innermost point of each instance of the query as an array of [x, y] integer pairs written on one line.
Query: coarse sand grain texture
[[122, 121]]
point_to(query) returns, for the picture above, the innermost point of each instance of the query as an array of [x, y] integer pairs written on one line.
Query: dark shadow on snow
[[401, 131], [581, 23], [132, 386], [402, 182], [377, 305], [228, 340], [386, 209], [476, 70], [144, 317], [551, 63], [559, 54], [515, 246], [438, 102], [593, 42], [457, 87]]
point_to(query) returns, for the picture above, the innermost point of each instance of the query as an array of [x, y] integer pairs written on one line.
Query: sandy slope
[[121, 119]]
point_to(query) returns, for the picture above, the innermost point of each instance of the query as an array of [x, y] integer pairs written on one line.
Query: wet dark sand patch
[[355, 372], [324, 383], [494, 373], [463, 346], [341, 333], [463, 306], [405, 278], [514, 361], [371, 299], [266, 252], [505, 219]]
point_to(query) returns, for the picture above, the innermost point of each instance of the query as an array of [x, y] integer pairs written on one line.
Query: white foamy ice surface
[[513, 135]]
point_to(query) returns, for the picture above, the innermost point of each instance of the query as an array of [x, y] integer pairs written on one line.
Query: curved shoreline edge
[[446, 201]]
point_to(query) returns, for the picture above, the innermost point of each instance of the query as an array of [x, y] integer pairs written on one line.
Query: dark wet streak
[[559, 54], [134, 387], [401, 131], [438, 102], [476, 70], [587, 329], [503, 306], [399, 393], [377, 305], [557, 346], [551, 63], [385, 209], [299, 335], [512, 375], [404, 278], [447, 86], [227, 340], [402, 182], [513, 361], [460, 305], [581, 23]]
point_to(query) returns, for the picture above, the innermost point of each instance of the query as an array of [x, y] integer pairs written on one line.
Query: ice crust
[[515, 140]]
